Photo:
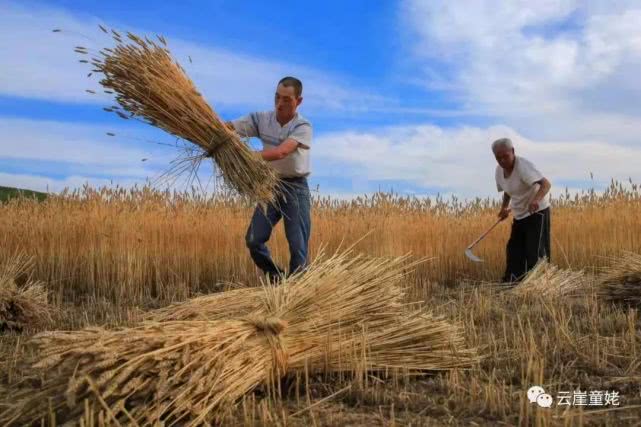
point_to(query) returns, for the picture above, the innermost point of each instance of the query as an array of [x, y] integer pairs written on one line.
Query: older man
[[286, 138], [526, 194]]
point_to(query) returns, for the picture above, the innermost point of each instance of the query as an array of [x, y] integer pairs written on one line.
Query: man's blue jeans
[[294, 207]]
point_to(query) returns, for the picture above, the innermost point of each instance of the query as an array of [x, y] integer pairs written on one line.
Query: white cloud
[[417, 158], [47, 184], [36, 63], [551, 69], [79, 145], [238, 80], [81, 152], [460, 159]]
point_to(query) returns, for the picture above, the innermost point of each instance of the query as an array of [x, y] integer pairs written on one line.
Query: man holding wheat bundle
[[526, 190], [286, 137]]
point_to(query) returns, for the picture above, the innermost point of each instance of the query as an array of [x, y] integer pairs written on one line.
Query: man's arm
[[246, 126], [280, 152], [544, 188], [301, 137], [277, 153], [532, 176], [505, 209]]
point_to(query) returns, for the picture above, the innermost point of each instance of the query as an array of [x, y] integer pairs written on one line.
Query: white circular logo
[[544, 400], [534, 392]]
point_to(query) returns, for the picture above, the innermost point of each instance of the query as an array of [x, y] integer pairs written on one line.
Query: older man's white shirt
[[520, 187]]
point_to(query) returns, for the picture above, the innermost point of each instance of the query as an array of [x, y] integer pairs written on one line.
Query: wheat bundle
[[621, 282], [243, 301], [548, 280], [413, 331], [150, 85], [348, 270], [176, 371], [343, 314], [22, 307], [217, 306]]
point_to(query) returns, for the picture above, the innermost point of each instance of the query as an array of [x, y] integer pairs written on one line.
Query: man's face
[[505, 157], [286, 101]]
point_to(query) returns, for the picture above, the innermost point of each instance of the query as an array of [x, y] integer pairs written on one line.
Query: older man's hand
[[504, 213], [533, 207]]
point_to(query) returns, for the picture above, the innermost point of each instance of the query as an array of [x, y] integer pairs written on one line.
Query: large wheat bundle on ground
[[621, 282], [343, 314], [548, 280], [25, 306], [410, 329], [150, 85]]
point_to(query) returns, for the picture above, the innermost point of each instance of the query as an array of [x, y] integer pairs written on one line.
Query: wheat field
[[106, 255]]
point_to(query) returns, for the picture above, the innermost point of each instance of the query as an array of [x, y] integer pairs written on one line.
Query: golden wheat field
[[107, 256]]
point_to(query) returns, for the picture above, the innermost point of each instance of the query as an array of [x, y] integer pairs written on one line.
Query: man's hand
[[544, 187], [504, 213]]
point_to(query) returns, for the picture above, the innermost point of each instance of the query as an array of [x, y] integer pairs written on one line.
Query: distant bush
[[8, 193]]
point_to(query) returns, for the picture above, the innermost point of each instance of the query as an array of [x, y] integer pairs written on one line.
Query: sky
[[404, 96]]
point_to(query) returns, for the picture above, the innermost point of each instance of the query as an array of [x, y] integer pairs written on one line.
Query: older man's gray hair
[[502, 143]]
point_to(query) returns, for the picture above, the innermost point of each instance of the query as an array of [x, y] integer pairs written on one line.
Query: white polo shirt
[[520, 187], [264, 126]]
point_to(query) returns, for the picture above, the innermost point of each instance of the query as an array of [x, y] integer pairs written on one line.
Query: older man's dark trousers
[[529, 242]]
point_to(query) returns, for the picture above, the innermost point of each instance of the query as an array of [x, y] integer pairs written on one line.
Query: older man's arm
[[544, 188], [505, 207]]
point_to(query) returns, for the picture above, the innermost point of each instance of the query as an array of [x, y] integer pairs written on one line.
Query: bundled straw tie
[[214, 145], [272, 328]]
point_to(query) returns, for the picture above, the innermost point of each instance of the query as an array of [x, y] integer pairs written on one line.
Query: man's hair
[[502, 142], [292, 82]]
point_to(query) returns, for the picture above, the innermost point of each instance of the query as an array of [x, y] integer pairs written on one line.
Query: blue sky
[[403, 95]]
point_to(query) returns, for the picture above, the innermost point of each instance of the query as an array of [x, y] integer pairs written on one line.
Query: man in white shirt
[[526, 195], [286, 137]]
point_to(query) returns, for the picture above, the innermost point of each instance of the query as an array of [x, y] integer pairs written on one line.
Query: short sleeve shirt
[[263, 125], [520, 186]]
